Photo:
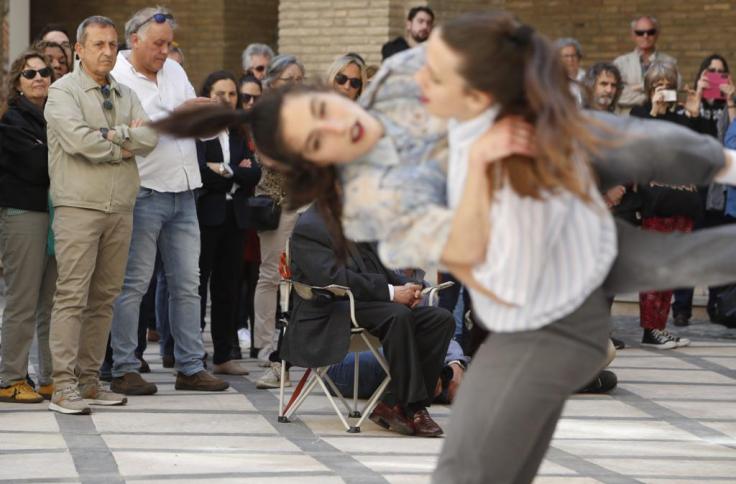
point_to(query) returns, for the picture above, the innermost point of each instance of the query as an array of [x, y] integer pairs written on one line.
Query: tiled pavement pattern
[[672, 420]]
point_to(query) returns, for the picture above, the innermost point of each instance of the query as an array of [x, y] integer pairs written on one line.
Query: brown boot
[[200, 381], [132, 384]]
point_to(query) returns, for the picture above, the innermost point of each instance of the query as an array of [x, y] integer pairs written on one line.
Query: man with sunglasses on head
[[165, 215], [256, 58], [95, 127], [644, 32]]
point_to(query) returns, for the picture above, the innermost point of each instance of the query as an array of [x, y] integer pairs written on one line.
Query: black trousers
[[220, 261], [414, 343]]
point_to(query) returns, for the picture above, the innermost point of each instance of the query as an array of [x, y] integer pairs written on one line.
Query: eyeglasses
[[157, 17], [31, 73], [107, 104], [246, 98], [642, 33], [355, 83]]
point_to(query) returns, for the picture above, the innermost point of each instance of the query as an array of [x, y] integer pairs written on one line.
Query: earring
[[20, 93]]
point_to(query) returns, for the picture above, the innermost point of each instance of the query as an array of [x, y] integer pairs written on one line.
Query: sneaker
[[68, 400], [272, 377], [680, 342], [132, 384], [655, 338], [603, 383], [681, 320], [46, 391], [95, 394], [20, 392], [200, 381]]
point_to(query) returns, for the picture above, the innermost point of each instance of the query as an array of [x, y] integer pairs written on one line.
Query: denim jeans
[[167, 221], [166, 341]]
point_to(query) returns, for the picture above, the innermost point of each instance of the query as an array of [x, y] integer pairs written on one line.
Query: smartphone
[[669, 95], [715, 81], [439, 287]]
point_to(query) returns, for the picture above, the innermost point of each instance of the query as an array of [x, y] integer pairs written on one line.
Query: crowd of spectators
[[112, 236]]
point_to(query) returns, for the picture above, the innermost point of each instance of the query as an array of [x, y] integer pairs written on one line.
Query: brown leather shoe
[[392, 418], [132, 384], [200, 381], [424, 425], [153, 336]]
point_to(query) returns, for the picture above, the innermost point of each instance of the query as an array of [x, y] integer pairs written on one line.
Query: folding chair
[[360, 340]]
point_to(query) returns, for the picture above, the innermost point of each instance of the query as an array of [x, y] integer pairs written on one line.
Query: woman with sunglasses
[[347, 75], [250, 89], [25, 244]]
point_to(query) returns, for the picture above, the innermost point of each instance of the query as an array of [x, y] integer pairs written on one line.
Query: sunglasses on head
[[355, 83], [158, 17], [246, 98], [31, 73], [107, 104], [642, 33]]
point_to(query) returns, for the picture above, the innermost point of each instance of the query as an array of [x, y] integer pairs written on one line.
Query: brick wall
[[212, 34], [691, 29]]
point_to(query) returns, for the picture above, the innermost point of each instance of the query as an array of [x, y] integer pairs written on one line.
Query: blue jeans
[[167, 221]]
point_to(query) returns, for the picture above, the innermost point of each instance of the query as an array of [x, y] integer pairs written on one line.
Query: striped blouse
[[544, 257]]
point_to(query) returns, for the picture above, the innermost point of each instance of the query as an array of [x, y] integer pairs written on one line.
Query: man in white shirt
[[165, 215], [644, 32]]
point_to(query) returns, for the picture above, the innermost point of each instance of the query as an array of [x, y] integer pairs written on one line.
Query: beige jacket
[[86, 170], [630, 67]]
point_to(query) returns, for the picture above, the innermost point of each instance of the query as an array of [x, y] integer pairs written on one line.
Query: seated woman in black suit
[[229, 175]]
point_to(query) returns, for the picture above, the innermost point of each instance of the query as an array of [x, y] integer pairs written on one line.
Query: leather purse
[[263, 213]]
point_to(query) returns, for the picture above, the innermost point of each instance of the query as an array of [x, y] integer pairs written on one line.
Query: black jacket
[[211, 203], [393, 47], [24, 158], [319, 331]]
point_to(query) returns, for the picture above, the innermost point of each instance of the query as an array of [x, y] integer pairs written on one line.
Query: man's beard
[[420, 36], [604, 101]]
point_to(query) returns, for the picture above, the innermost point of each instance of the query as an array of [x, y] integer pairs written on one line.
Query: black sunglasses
[[713, 69], [158, 17], [642, 33], [355, 83], [259, 68], [246, 98], [31, 73], [107, 104]]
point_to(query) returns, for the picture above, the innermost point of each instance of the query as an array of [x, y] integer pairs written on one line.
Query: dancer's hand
[[509, 136]]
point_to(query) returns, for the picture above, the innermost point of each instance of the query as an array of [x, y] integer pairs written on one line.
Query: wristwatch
[[103, 132]]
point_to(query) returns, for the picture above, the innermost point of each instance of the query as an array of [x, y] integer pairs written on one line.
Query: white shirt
[[545, 257], [172, 166]]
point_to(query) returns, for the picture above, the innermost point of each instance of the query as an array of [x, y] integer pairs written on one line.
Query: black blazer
[[211, 202], [24, 158], [319, 331]]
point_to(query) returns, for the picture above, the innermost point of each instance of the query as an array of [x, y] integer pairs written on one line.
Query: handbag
[[263, 213]]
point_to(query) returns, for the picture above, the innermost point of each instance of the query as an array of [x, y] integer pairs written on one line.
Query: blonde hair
[[341, 63]]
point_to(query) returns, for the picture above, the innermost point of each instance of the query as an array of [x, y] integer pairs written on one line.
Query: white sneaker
[[272, 377]]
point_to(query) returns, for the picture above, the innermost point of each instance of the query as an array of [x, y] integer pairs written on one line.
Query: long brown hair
[[522, 71], [306, 182]]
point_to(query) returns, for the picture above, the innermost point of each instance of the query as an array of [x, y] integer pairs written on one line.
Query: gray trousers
[[30, 279], [513, 393]]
